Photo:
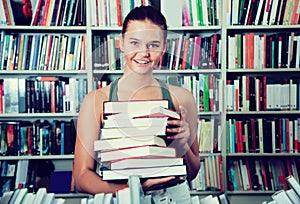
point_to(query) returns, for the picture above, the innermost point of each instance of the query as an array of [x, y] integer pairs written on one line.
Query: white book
[[294, 184], [235, 12], [266, 11], [293, 196], [273, 136], [297, 65], [281, 197], [28, 198], [49, 198], [172, 10], [259, 10], [99, 198], [207, 200], [102, 145], [21, 175], [275, 4], [195, 200], [108, 198], [205, 12], [151, 172], [40, 195], [195, 13], [247, 13], [59, 201]]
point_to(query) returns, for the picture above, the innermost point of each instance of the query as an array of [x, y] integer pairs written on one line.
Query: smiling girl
[[143, 41]]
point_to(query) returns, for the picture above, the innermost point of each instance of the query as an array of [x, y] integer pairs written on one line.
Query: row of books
[[192, 52], [42, 94], [184, 51], [247, 12], [290, 196], [254, 93], [133, 141], [259, 51], [23, 196], [193, 12], [261, 174], [42, 52], [43, 12], [37, 138], [210, 175], [112, 13], [261, 135]]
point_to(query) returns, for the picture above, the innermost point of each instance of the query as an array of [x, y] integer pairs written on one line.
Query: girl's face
[[143, 45]]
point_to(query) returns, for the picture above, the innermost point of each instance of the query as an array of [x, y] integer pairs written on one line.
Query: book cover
[[134, 152], [102, 145], [141, 163], [144, 172]]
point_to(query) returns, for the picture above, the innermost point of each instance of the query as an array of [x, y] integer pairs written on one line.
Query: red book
[[264, 93], [196, 52], [37, 13], [119, 12], [1, 98], [280, 135], [52, 97], [264, 174], [251, 50], [185, 54], [29, 140], [45, 14], [287, 135], [249, 175], [239, 139]]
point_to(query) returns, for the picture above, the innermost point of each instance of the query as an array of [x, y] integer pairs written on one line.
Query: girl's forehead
[[143, 28]]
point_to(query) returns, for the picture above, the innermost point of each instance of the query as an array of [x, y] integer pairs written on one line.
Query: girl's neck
[[134, 80]]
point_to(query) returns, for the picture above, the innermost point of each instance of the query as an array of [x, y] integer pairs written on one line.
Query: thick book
[[144, 172], [120, 121], [111, 144], [112, 133], [294, 184], [142, 163], [132, 108], [137, 152]]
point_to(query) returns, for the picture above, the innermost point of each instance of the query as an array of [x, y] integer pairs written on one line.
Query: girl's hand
[[179, 129]]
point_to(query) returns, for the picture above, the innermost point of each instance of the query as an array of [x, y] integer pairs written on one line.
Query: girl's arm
[[88, 127]]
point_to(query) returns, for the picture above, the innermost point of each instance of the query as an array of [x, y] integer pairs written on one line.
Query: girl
[[143, 41]]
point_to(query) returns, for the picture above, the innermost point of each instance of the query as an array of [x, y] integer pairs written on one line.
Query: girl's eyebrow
[[153, 41]]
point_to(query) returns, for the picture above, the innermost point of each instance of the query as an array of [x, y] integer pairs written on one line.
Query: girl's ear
[[121, 43]]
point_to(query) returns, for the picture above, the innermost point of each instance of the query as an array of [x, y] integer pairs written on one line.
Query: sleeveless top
[[113, 96]]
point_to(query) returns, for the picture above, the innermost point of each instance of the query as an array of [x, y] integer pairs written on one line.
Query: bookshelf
[[230, 25]]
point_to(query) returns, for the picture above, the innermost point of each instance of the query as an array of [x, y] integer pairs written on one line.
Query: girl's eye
[[133, 43], [153, 46]]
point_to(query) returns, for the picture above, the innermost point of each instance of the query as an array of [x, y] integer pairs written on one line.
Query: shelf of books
[[262, 96]]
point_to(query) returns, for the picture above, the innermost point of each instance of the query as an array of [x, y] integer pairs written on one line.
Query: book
[[132, 108], [141, 163], [134, 152], [119, 121], [102, 145], [112, 133], [144, 172], [292, 182]]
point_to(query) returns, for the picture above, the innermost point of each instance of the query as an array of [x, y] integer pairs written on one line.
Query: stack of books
[[290, 196], [132, 141]]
